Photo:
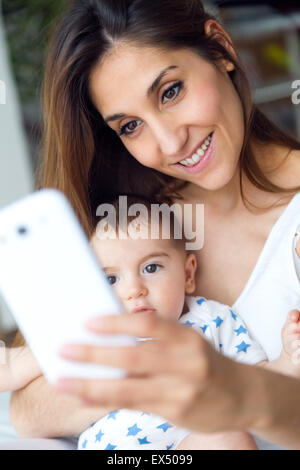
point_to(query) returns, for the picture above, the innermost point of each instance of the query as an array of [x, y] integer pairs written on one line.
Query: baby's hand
[[291, 337]]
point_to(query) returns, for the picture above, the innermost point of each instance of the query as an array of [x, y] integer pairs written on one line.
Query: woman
[[132, 90]]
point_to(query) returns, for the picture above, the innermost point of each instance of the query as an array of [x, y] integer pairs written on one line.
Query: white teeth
[[199, 153]]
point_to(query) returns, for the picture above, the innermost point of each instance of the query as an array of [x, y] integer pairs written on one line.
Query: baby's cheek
[[173, 302]]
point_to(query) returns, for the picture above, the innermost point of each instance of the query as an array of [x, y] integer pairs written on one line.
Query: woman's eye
[[151, 268], [129, 126], [111, 279], [170, 94]]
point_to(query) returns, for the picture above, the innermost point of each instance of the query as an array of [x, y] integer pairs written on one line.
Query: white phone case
[[52, 283]]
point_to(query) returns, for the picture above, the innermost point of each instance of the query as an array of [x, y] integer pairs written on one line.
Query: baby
[[157, 277]]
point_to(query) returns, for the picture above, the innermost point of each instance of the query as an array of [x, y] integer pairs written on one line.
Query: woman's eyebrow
[[150, 91], [156, 82]]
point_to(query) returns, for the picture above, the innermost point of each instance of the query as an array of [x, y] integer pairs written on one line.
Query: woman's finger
[[142, 326], [153, 356], [131, 393]]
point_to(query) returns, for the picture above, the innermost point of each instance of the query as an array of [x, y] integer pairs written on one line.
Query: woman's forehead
[[132, 69]]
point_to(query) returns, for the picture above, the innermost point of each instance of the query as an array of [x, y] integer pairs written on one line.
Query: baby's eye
[[151, 268], [111, 279]]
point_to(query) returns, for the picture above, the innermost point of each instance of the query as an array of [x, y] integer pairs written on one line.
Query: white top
[[273, 288]]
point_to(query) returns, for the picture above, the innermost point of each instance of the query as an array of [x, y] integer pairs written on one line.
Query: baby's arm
[[231, 440], [18, 368]]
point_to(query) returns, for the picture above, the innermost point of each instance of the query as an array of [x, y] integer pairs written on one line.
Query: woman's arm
[[40, 411], [182, 378]]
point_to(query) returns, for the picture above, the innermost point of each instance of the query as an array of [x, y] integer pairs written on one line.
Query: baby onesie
[[131, 430]]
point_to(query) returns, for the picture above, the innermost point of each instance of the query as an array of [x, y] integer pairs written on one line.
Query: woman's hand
[[178, 375]]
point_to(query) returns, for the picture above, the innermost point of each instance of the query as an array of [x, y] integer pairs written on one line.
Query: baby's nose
[[136, 290]]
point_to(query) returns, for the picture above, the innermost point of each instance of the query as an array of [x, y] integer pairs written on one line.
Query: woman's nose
[[169, 136]]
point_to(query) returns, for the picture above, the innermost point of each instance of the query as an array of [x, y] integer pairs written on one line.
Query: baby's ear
[[190, 271]]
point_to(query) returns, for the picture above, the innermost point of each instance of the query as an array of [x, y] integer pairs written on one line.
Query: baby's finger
[[291, 328], [294, 316]]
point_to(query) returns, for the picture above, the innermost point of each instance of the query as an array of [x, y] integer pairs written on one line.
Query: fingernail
[[67, 351], [64, 385], [94, 323]]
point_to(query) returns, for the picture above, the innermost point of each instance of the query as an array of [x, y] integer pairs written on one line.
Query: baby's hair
[[141, 215]]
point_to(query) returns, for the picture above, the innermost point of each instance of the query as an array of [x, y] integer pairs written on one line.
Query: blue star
[[164, 426], [189, 323], [232, 314], [112, 415], [203, 328], [200, 301], [133, 430], [144, 413], [144, 440], [220, 345], [218, 321], [110, 447], [99, 436], [170, 446], [242, 347], [83, 445], [240, 330]]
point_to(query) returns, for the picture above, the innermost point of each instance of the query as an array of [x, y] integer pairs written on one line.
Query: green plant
[[28, 24]]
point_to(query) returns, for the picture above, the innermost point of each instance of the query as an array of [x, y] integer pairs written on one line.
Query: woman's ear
[[213, 28], [190, 271]]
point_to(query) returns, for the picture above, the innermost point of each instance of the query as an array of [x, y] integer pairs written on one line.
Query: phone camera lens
[[22, 231]]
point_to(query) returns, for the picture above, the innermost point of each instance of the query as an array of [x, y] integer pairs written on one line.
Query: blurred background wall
[[266, 35]]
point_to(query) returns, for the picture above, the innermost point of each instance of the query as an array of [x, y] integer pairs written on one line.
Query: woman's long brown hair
[[82, 156]]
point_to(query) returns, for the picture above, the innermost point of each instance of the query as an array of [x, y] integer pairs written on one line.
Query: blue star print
[[133, 430], [242, 347], [233, 314], [203, 328], [84, 444], [110, 447], [240, 330], [144, 440], [200, 301], [189, 323], [164, 426], [112, 415], [170, 446], [218, 321], [99, 436]]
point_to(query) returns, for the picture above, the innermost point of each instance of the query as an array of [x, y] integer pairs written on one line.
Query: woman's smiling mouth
[[200, 158]]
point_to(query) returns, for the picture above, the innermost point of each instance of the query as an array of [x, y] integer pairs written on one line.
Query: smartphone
[[52, 283]]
